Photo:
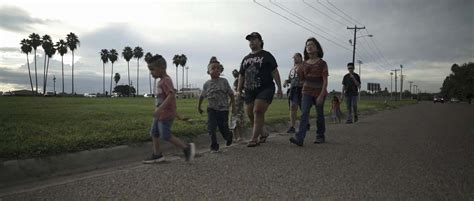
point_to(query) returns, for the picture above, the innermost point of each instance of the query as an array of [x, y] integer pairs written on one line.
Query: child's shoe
[[154, 159]]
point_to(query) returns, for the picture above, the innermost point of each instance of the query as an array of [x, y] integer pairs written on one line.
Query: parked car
[[454, 100], [7, 93], [114, 95], [438, 100], [148, 95], [49, 93], [90, 95]]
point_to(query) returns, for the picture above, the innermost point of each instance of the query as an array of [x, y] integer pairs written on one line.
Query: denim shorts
[[265, 94], [161, 129]]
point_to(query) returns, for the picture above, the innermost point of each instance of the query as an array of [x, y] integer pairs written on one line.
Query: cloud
[[18, 20], [9, 49]]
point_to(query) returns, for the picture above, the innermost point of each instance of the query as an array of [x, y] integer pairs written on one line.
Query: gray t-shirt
[[217, 93]]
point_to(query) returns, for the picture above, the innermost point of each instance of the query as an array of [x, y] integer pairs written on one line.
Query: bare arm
[[199, 104], [276, 77], [323, 90], [168, 100], [240, 85]]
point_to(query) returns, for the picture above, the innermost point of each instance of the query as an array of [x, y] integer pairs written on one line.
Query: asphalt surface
[[418, 152]]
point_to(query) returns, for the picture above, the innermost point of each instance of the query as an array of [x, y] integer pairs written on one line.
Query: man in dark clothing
[[350, 89]]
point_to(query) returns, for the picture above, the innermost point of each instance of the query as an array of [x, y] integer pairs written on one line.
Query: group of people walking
[[254, 85]]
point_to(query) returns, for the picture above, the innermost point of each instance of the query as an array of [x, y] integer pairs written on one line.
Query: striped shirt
[[312, 77]]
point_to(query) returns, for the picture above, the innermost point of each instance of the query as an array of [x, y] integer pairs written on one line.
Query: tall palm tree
[[46, 44], [176, 62], [182, 62], [127, 54], [72, 42], [26, 48], [138, 53], [104, 56], [61, 46], [35, 41], [113, 56], [148, 55], [50, 53]]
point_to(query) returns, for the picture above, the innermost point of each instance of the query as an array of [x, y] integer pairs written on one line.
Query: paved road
[[418, 152]]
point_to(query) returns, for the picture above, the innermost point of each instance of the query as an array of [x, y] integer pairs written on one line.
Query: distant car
[[454, 100], [438, 100], [148, 95], [90, 95], [8, 93], [49, 93], [114, 95]]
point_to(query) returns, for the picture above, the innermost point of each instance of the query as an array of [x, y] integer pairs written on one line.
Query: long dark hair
[[319, 52]]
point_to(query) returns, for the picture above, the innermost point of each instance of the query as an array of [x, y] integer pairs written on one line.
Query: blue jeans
[[351, 103], [161, 129], [307, 102], [216, 119]]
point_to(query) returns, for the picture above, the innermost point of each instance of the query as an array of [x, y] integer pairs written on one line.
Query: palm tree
[[127, 55], [26, 48], [182, 62], [35, 41], [116, 78], [138, 53], [61, 46], [176, 62], [47, 43], [113, 56], [50, 53], [104, 56], [72, 43], [148, 55]]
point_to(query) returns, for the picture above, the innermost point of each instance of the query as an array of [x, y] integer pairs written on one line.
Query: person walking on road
[[294, 91], [257, 72], [350, 89], [165, 112], [218, 91], [314, 75]]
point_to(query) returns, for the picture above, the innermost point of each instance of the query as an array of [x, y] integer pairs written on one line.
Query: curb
[[16, 172]]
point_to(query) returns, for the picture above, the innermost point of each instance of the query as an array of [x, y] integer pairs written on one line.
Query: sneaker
[[189, 152], [230, 138], [295, 141], [319, 140], [154, 159], [215, 151], [291, 130]]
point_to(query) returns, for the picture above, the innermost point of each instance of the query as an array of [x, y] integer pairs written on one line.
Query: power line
[[354, 20], [324, 13], [342, 17], [301, 17], [292, 21]]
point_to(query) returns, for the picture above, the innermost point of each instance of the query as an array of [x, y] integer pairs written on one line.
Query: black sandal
[[253, 144], [263, 139]]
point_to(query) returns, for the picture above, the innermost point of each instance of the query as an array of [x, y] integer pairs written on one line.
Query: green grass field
[[39, 126]]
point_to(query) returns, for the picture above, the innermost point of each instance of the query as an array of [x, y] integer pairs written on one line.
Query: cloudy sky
[[425, 36]]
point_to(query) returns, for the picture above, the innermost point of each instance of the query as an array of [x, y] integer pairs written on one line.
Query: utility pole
[[54, 86], [401, 81], [416, 90], [396, 81], [391, 89], [187, 73], [411, 82], [355, 28]]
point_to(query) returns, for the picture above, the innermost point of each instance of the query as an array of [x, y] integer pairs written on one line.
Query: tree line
[[460, 83], [34, 40]]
